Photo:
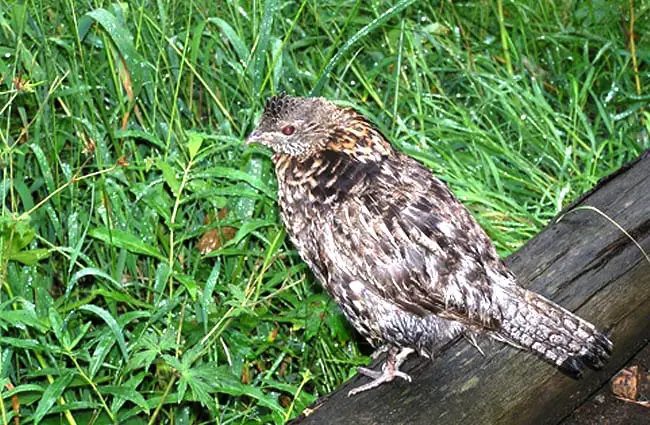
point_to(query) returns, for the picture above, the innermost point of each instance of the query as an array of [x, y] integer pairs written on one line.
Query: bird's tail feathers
[[535, 323]]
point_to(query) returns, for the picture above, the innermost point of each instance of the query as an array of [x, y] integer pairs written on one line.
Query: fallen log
[[582, 261]]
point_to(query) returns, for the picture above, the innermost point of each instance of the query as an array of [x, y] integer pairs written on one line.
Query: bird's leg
[[379, 351], [390, 369]]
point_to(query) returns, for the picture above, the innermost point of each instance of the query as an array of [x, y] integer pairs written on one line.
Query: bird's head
[[296, 126]]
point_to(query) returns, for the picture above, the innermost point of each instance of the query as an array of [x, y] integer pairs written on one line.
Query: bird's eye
[[288, 130]]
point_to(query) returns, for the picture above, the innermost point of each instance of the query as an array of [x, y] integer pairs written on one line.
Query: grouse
[[403, 258]]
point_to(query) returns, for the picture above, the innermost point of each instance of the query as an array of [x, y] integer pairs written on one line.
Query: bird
[[406, 262]]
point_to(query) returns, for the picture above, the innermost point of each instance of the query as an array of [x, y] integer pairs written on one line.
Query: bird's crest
[[278, 105]]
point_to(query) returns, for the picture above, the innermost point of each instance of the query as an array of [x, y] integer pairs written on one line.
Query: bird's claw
[[403, 375], [389, 370], [378, 379], [369, 372]]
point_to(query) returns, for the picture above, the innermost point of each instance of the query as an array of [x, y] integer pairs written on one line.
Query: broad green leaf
[[194, 143], [235, 41], [31, 256], [122, 239], [277, 70], [56, 323], [24, 388], [30, 344], [125, 297], [189, 283], [228, 384], [208, 289], [112, 324], [268, 13], [248, 227], [162, 274], [51, 394], [122, 40], [241, 176], [80, 335], [89, 271], [22, 318], [169, 175], [128, 394], [103, 347], [18, 231], [139, 134], [44, 165]]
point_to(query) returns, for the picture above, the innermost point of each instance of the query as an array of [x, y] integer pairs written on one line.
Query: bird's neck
[[358, 138], [348, 165]]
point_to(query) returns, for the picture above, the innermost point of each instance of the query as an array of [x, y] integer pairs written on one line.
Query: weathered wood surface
[[605, 408], [582, 262]]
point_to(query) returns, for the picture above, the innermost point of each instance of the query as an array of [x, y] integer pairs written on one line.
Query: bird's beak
[[256, 137]]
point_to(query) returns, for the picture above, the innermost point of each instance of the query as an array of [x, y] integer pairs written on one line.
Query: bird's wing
[[410, 241]]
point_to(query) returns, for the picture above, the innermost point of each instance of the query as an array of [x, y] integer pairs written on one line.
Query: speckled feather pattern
[[402, 257]]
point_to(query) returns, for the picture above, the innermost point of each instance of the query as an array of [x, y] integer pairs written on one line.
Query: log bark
[[583, 262]]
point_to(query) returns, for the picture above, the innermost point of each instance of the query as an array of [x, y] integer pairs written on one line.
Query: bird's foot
[[390, 369]]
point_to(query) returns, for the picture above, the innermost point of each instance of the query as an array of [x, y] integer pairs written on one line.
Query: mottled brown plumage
[[406, 262]]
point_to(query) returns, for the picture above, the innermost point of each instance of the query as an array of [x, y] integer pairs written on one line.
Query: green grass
[[120, 130]]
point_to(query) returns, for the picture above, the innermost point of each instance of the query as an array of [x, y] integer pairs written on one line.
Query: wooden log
[[604, 406], [583, 262]]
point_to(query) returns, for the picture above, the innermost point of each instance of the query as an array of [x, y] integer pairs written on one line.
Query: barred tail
[[535, 323]]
